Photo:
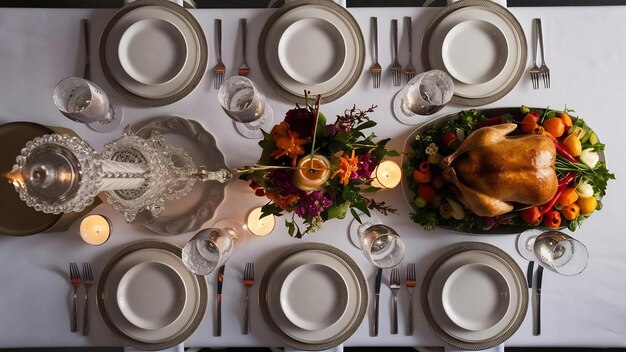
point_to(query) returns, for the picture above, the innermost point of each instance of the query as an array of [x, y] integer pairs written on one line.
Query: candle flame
[[15, 177]]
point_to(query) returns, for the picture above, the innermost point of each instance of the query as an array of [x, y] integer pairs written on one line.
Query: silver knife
[[379, 276], [538, 297], [218, 302], [87, 72]]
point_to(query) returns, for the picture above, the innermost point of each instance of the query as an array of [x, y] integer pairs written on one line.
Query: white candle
[[95, 229], [260, 226], [386, 175]]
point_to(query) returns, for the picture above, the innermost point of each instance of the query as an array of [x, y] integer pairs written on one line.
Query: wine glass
[[83, 101], [423, 95], [210, 248], [380, 244], [554, 250], [244, 102]]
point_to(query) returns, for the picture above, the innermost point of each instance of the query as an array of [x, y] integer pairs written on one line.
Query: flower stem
[[317, 115]]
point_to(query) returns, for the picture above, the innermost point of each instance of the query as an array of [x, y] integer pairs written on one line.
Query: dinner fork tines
[[75, 282], [248, 281], [396, 69], [87, 282], [376, 69], [244, 70], [410, 283], [409, 70], [219, 69], [394, 286], [534, 71], [544, 72]]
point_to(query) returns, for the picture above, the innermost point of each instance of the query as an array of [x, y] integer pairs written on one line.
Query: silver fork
[[396, 69], [410, 283], [248, 281], [244, 70], [75, 282], [543, 70], [394, 286], [409, 70], [219, 69], [376, 69], [87, 282], [534, 71]]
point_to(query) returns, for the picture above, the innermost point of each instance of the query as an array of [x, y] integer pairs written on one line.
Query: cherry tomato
[[450, 139], [552, 219], [529, 123], [532, 216], [422, 177], [427, 191]]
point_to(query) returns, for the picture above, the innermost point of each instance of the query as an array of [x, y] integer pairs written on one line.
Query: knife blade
[[529, 273], [379, 277], [87, 72], [537, 325], [218, 301]]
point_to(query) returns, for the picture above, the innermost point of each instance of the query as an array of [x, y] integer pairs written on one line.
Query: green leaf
[[356, 216], [364, 125], [370, 190], [391, 152], [268, 145], [271, 209], [338, 211]]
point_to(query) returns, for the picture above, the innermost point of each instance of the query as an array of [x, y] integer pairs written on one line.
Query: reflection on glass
[[554, 250], [244, 102]]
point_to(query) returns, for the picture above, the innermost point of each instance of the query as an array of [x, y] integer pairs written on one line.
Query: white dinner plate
[[151, 295], [475, 51], [168, 259], [436, 296], [327, 333], [152, 51], [476, 296], [314, 296], [513, 59], [312, 51], [351, 49], [185, 74]]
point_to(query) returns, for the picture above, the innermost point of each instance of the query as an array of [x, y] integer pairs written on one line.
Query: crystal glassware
[[553, 250], [425, 94], [83, 101], [244, 102], [380, 244], [210, 248]]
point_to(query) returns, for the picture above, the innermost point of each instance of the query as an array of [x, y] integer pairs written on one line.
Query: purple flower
[[311, 205], [301, 121], [366, 166], [281, 182]]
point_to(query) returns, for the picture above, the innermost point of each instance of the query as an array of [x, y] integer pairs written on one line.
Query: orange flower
[[347, 165], [287, 142], [286, 203]]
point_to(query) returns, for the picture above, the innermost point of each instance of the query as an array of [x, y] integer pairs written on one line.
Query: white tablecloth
[[585, 51]]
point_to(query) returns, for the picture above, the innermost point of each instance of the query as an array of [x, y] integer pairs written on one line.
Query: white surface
[[41, 46]]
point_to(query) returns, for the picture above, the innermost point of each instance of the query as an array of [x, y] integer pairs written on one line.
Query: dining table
[[585, 50]]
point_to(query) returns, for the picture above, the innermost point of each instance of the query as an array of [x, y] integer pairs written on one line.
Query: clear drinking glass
[[244, 102], [208, 250], [423, 95], [554, 250], [83, 101], [380, 243]]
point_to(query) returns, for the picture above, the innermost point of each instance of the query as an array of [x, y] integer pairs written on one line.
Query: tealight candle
[[260, 226], [386, 175], [312, 173], [95, 229]]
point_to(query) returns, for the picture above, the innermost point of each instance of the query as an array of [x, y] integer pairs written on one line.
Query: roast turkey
[[492, 170]]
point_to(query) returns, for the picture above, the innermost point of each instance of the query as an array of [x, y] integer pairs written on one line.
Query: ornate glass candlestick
[[58, 173]]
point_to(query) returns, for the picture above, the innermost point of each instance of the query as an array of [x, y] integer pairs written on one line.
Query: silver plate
[[190, 212]]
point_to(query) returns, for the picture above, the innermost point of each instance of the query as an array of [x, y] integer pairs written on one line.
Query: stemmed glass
[[424, 94], [83, 101], [553, 250], [380, 244], [210, 248], [244, 102]]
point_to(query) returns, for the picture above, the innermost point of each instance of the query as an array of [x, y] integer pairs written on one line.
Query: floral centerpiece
[[317, 170]]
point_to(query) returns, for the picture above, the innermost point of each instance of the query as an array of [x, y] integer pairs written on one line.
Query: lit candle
[[312, 175], [386, 175], [95, 229], [260, 226]]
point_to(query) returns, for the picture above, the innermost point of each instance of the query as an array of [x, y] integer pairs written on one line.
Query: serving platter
[[515, 226]]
